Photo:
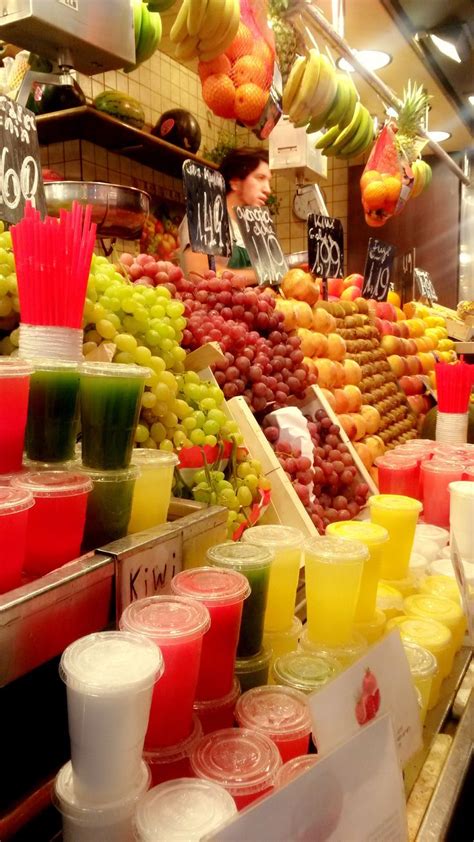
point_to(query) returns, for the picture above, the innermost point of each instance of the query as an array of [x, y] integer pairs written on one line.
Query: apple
[[354, 397], [355, 280], [303, 314], [387, 327], [371, 417], [299, 284], [376, 446], [353, 372], [340, 374], [385, 310], [403, 329], [335, 286], [329, 397], [416, 403], [397, 364], [364, 454], [327, 374], [361, 428], [342, 401], [350, 293], [392, 344], [348, 425], [336, 347], [323, 321], [413, 364]]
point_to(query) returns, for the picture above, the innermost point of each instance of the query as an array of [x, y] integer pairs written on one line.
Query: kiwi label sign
[[378, 269], [206, 209], [325, 246]]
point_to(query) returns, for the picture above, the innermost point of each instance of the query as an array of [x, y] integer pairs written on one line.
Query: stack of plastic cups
[[399, 516], [440, 608], [15, 508], [423, 668], [181, 809], [305, 670], [431, 635], [344, 655], [437, 475], [109, 678], [37, 342], [281, 713], [223, 592], [453, 383]]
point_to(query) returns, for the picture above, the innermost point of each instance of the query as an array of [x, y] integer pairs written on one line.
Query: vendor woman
[[247, 182]]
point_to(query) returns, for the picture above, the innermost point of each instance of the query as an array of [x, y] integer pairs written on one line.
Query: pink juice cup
[[177, 625], [399, 474], [171, 762], [215, 714], [14, 391], [436, 477], [56, 523], [222, 591], [279, 712], [244, 762], [15, 506]]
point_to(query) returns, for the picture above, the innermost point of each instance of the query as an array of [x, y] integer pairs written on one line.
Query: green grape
[[123, 358], [6, 306], [150, 444], [162, 392], [162, 292], [197, 436], [199, 476], [251, 481], [4, 286], [211, 428], [210, 440], [243, 470], [167, 445], [192, 391], [152, 338], [157, 364], [158, 432], [179, 353], [182, 409], [106, 329], [208, 403], [88, 347], [218, 416], [15, 337], [179, 438], [141, 433], [126, 342], [244, 496], [148, 400], [170, 420], [170, 380], [157, 312], [128, 305], [142, 356], [114, 319], [192, 377], [199, 418], [189, 424]]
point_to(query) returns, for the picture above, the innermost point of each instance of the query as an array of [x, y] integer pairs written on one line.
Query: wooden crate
[[461, 330]]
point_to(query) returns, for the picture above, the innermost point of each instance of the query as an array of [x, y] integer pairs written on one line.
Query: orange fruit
[[249, 69], [221, 64], [367, 177], [250, 100], [218, 92], [242, 43], [393, 187], [374, 195]]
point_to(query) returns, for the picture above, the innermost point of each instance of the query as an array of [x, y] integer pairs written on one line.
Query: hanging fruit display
[[147, 26], [287, 40], [205, 28]]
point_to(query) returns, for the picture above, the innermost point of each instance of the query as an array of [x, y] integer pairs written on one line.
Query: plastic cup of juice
[[86, 822], [177, 625], [398, 473], [439, 608], [254, 563], [14, 389], [389, 600], [223, 592], [282, 642], [253, 671], [110, 405], [281, 713], [286, 543], [295, 767], [56, 522], [442, 585], [53, 411], [372, 630], [343, 655], [333, 569], [429, 532], [406, 586], [185, 809], [461, 514], [305, 671], [172, 762], [152, 494], [423, 668], [244, 762], [436, 477], [374, 537], [432, 635], [15, 506], [218, 713], [398, 514], [108, 506], [109, 678]]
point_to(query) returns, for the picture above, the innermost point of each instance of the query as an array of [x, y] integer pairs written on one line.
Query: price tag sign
[[378, 268], [260, 240], [325, 246], [206, 209], [425, 285], [406, 275], [20, 165]]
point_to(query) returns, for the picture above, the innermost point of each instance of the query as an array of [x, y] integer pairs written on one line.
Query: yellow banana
[[179, 30], [300, 109], [196, 12], [216, 12], [187, 48], [293, 82], [324, 93], [209, 50]]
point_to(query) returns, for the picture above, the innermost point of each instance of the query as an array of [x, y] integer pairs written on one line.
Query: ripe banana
[[205, 28], [293, 83], [341, 101], [360, 134], [319, 122], [209, 49], [179, 30], [196, 12], [326, 89], [300, 108], [217, 12], [186, 48]]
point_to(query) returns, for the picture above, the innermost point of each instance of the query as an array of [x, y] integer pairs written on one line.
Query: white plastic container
[[427, 531], [184, 810]]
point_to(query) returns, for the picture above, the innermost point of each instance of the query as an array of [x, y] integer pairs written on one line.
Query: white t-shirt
[[185, 242]]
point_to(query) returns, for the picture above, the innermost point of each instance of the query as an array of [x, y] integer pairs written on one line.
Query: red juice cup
[[14, 391], [15, 505], [223, 592], [279, 712], [399, 474], [244, 762], [177, 625], [56, 523], [215, 714], [436, 476], [172, 762]]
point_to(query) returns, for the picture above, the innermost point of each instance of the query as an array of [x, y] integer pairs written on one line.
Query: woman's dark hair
[[239, 163]]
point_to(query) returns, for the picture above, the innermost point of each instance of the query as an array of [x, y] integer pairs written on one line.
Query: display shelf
[[86, 123]]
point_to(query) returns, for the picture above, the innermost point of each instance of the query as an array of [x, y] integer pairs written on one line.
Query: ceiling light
[[438, 136], [471, 99], [446, 47], [371, 59]]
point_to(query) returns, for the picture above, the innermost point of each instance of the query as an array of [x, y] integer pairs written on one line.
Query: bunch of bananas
[[205, 28], [422, 172], [148, 28]]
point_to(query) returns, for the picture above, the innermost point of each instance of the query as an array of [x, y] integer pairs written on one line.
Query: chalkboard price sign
[[206, 209], [20, 167], [261, 242], [425, 284], [325, 246], [378, 268]]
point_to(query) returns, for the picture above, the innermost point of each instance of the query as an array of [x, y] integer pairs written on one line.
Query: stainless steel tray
[[118, 211]]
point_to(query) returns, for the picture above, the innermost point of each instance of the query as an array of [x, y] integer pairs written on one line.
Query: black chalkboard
[[261, 242], [378, 268], [206, 209], [325, 246], [20, 165], [406, 275], [425, 285]]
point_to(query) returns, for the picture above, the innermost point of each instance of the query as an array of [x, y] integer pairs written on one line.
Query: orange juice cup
[[375, 538], [399, 515]]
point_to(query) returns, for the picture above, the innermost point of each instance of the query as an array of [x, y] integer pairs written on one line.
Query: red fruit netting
[[236, 85], [382, 199]]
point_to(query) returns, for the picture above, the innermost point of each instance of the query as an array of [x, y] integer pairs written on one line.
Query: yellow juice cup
[[282, 642], [439, 608], [375, 538], [372, 629], [399, 515], [152, 493], [433, 636], [406, 586], [389, 600], [423, 668], [333, 571], [285, 542], [439, 585], [344, 655]]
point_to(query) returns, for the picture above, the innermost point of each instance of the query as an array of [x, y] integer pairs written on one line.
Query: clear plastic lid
[[336, 550], [169, 619], [441, 567], [273, 536], [239, 556], [441, 466], [462, 488], [227, 701], [442, 608], [113, 370], [432, 533], [15, 367], [395, 502], [212, 585], [111, 662], [340, 654], [389, 598], [441, 585], [97, 815], [53, 483], [254, 663], [418, 563], [147, 457], [120, 475], [426, 548], [295, 767], [55, 365], [369, 533], [278, 711], [428, 633], [294, 631], [183, 810], [396, 461], [238, 759], [305, 671], [422, 662], [14, 500], [178, 751]]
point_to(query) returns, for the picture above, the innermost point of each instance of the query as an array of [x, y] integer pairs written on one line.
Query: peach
[[413, 365], [335, 286], [371, 417], [364, 454], [348, 425], [311, 366], [340, 374], [361, 428], [412, 385], [392, 344], [299, 284], [416, 403], [329, 397], [350, 293], [397, 364], [303, 314], [354, 396], [323, 321], [326, 373], [342, 401], [427, 361], [403, 330], [308, 343], [385, 310], [320, 345], [336, 347], [353, 372], [375, 445], [286, 307], [355, 280], [410, 346]]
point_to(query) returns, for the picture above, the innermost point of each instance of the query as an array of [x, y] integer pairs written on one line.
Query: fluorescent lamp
[[446, 47], [471, 99], [438, 136], [371, 59]]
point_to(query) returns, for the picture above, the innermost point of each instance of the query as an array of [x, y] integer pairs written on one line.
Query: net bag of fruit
[[387, 180], [236, 84]]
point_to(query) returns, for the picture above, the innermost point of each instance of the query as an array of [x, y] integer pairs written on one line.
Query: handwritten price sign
[[265, 252], [20, 167], [206, 209], [378, 269], [325, 246]]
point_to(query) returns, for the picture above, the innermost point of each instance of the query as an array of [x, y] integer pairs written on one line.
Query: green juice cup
[[109, 506], [254, 563], [53, 411], [110, 405]]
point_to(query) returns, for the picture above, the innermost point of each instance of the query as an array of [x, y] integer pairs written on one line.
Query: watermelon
[[428, 429], [122, 107]]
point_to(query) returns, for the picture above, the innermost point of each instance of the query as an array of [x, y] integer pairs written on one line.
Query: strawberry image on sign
[[368, 703]]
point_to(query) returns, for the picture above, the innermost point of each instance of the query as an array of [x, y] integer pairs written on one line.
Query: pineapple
[[411, 119], [286, 36]]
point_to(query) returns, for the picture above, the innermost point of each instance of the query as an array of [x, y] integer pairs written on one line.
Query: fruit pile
[[205, 28], [160, 234]]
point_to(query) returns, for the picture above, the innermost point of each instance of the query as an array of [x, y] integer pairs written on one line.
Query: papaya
[[428, 428], [122, 107]]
